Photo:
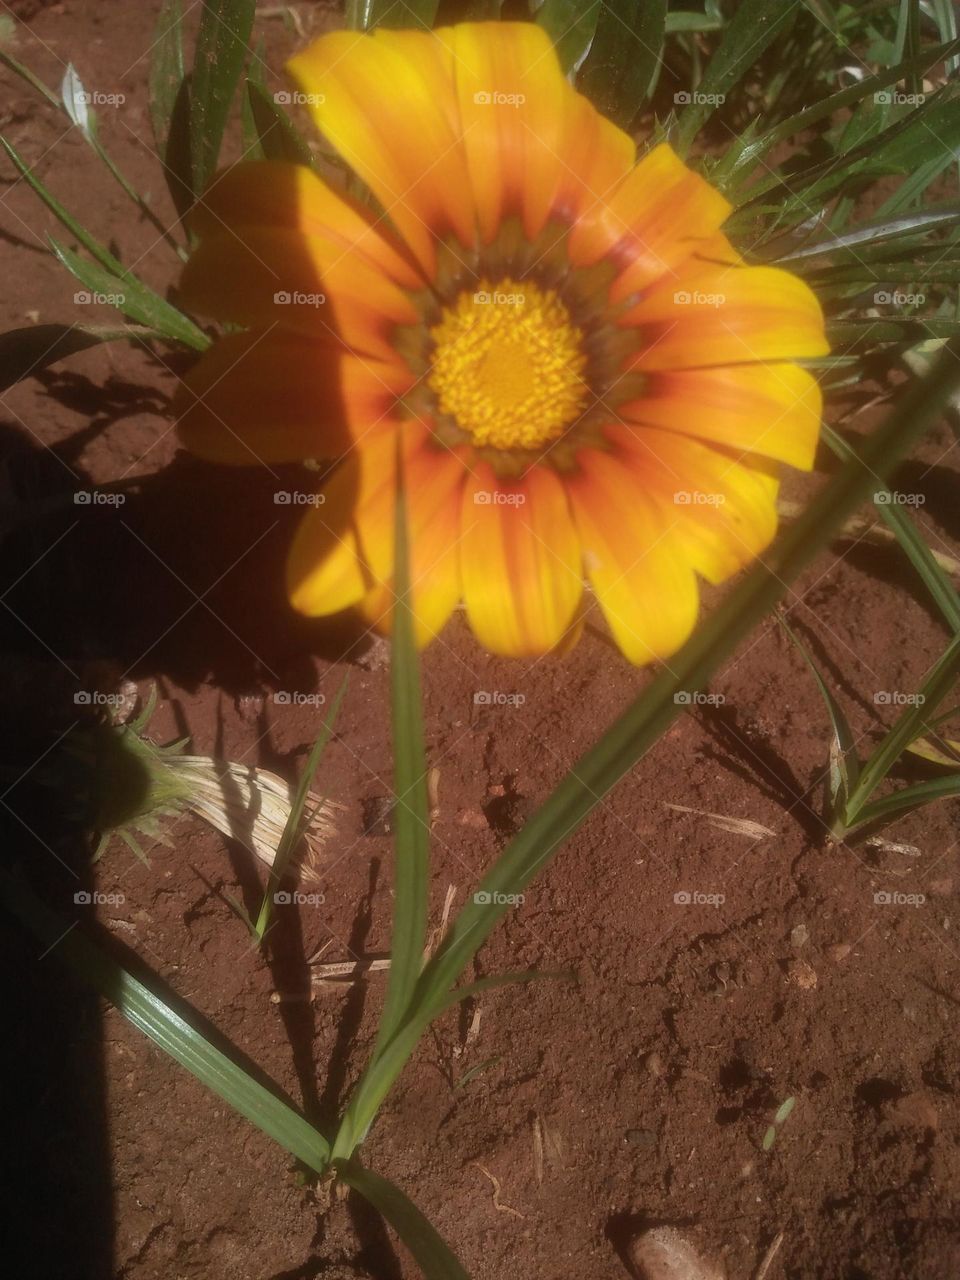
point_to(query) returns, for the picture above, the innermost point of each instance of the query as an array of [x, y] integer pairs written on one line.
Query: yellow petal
[[722, 511], [264, 397], [520, 561], [387, 103], [651, 222], [768, 409], [642, 577], [324, 572], [713, 315]]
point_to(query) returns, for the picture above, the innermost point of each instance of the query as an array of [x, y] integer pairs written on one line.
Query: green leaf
[[624, 60], [294, 826], [147, 1009], [906, 800], [133, 299], [411, 812], [222, 44], [166, 70], [571, 25], [908, 727], [24, 352], [755, 24], [13, 64], [434, 1256], [881, 232], [641, 725], [844, 764], [935, 578], [364, 15], [279, 137]]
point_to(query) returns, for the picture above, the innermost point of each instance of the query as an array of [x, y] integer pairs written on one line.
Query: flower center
[[508, 365]]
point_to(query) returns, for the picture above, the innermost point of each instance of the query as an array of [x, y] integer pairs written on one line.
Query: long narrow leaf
[[624, 60], [222, 43], [166, 70], [24, 352], [149, 1012], [906, 800], [364, 15], [571, 25], [434, 1256], [639, 727]]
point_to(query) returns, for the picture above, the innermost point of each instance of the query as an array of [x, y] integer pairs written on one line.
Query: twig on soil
[[767, 1261], [500, 1208]]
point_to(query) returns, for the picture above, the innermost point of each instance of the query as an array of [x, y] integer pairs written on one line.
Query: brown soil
[[639, 1095]]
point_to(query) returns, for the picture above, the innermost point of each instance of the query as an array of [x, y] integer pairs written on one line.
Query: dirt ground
[[542, 1127]]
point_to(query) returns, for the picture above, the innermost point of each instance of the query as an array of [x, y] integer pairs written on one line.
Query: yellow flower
[[586, 379]]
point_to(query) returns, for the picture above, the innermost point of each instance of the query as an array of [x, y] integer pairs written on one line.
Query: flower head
[[584, 378]]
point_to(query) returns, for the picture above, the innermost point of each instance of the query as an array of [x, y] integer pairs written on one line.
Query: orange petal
[[728, 315], [362, 557], [768, 409], [640, 572], [262, 397], [655, 219], [520, 561], [388, 105], [324, 571], [722, 511]]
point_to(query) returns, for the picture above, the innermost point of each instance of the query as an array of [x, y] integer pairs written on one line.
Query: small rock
[[654, 1064], [799, 936], [801, 975], [838, 952], [664, 1254], [472, 818]]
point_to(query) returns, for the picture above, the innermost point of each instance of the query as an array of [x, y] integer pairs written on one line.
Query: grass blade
[[571, 25], [434, 1256], [624, 60], [935, 578], [133, 299], [294, 826], [412, 809], [279, 137], [166, 71], [24, 352], [755, 24], [905, 800], [639, 727], [909, 726], [151, 1014], [222, 43], [364, 15]]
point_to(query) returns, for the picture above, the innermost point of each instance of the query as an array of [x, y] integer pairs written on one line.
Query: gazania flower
[[586, 380]]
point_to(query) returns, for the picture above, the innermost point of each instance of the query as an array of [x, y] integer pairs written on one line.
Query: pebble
[[664, 1254], [801, 975]]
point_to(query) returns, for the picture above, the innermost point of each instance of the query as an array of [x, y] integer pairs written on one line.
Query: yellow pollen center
[[508, 365]]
